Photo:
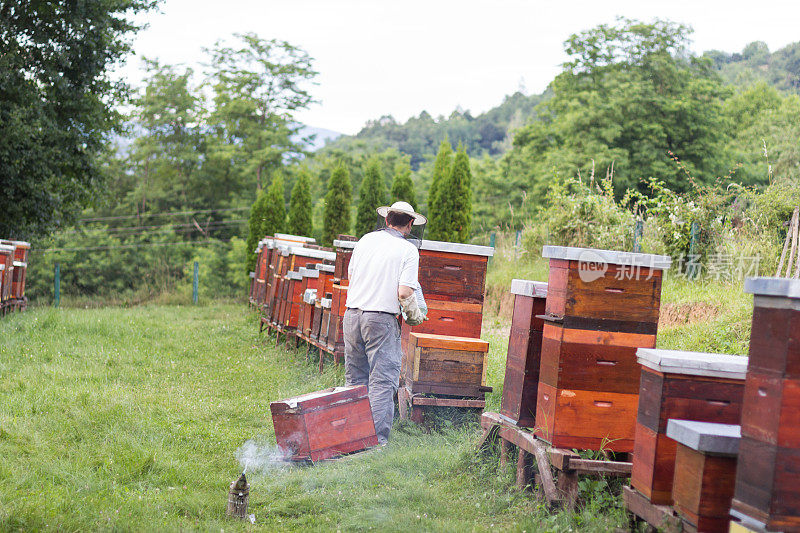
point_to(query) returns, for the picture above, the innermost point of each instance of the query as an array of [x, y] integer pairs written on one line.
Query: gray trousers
[[372, 357]]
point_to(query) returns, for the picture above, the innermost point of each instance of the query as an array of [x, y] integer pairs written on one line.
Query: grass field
[[130, 419]]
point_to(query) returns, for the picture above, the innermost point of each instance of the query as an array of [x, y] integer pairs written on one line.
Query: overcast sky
[[378, 57]]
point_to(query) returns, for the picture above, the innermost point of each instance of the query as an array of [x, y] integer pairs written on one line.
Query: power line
[[174, 213], [119, 246], [157, 226]]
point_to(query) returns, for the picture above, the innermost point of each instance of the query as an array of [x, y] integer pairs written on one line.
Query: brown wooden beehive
[[703, 387], [324, 424], [767, 487], [705, 472], [6, 271], [521, 381], [444, 364], [453, 281], [601, 306]]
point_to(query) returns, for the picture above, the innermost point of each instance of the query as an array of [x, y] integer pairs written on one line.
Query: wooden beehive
[[325, 284], [18, 274], [7, 272], [524, 353], [325, 321], [453, 281], [336, 326], [294, 299], [601, 306], [443, 364], [324, 424], [705, 472], [344, 250], [702, 387], [300, 256], [316, 320], [767, 487], [307, 311]]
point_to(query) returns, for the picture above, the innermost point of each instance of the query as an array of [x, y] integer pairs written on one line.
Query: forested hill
[[419, 137], [491, 132], [755, 63]]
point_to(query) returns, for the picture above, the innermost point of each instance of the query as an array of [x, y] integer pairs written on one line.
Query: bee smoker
[[238, 496]]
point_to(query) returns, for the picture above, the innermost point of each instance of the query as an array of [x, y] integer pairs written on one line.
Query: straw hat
[[405, 208]]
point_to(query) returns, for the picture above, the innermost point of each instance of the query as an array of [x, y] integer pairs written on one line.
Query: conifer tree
[[300, 206], [274, 219], [337, 205], [441, 170], [371, 196], [402, 186], [254, 234], [456, 205]]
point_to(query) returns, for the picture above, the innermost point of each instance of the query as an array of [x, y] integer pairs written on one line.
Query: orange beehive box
[[443, 364]]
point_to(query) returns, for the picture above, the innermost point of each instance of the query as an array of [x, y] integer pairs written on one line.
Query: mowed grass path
[[129, 419]]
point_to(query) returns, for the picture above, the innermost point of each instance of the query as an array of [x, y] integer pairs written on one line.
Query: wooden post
[[57, 286], [638, 230], [523, 469], [505, 451], [195, 281]]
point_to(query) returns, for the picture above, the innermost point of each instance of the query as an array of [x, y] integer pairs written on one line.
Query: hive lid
[[313, 253], [591, 255], [294, 238], [707, 437], [325, 268], [782, 287], [6, 248], [457, 248], [716, 365], [252, 275], [430, 340], [294, 275], [344, 244], [525, 287], [18, 244], [324, 398], [309, 272], [20, 264]]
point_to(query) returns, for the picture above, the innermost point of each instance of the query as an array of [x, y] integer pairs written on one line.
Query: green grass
[[129, 419]]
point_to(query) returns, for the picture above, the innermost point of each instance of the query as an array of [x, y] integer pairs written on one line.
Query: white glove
[[411, 311]]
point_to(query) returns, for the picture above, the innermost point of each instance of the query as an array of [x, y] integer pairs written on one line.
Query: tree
[[371, 196], [168, 153], [300, 205], [258, 88], [336, 220], [257, 215], [630, 94], [456, 205], [57, 105], [274, 220], [402, 186], [441, 170]]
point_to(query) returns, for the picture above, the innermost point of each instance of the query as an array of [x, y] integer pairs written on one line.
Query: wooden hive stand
[[560, 490]]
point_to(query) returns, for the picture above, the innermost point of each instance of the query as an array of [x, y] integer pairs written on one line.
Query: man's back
[[381, 261]]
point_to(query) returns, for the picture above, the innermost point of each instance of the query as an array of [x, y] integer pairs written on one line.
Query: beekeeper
[[383, 279]]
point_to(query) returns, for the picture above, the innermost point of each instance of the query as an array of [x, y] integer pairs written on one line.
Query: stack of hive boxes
[[335, 323], [6, 276], [524, 353], [767, 493], [18, 272], [444, 356], [601, 306], [702, 387]]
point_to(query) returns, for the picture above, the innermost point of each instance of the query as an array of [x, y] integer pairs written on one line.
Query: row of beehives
[[13, 268], [301, 291], [583, 372]]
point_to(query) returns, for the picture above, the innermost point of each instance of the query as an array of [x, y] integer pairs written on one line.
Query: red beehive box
[[324, 424], [294, 299], [601, 306], [6, 271], [702, 387], [307, 311], [21, 249], [344, 250], [768, 472], [453, 281], [705, 473], [325, 284], [524, 353], [325, 324]]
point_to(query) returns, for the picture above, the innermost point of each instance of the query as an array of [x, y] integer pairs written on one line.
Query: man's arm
[[404, 292]]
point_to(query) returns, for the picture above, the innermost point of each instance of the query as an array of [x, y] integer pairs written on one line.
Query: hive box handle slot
[[719, 402], [599, 403], [340, 422]]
